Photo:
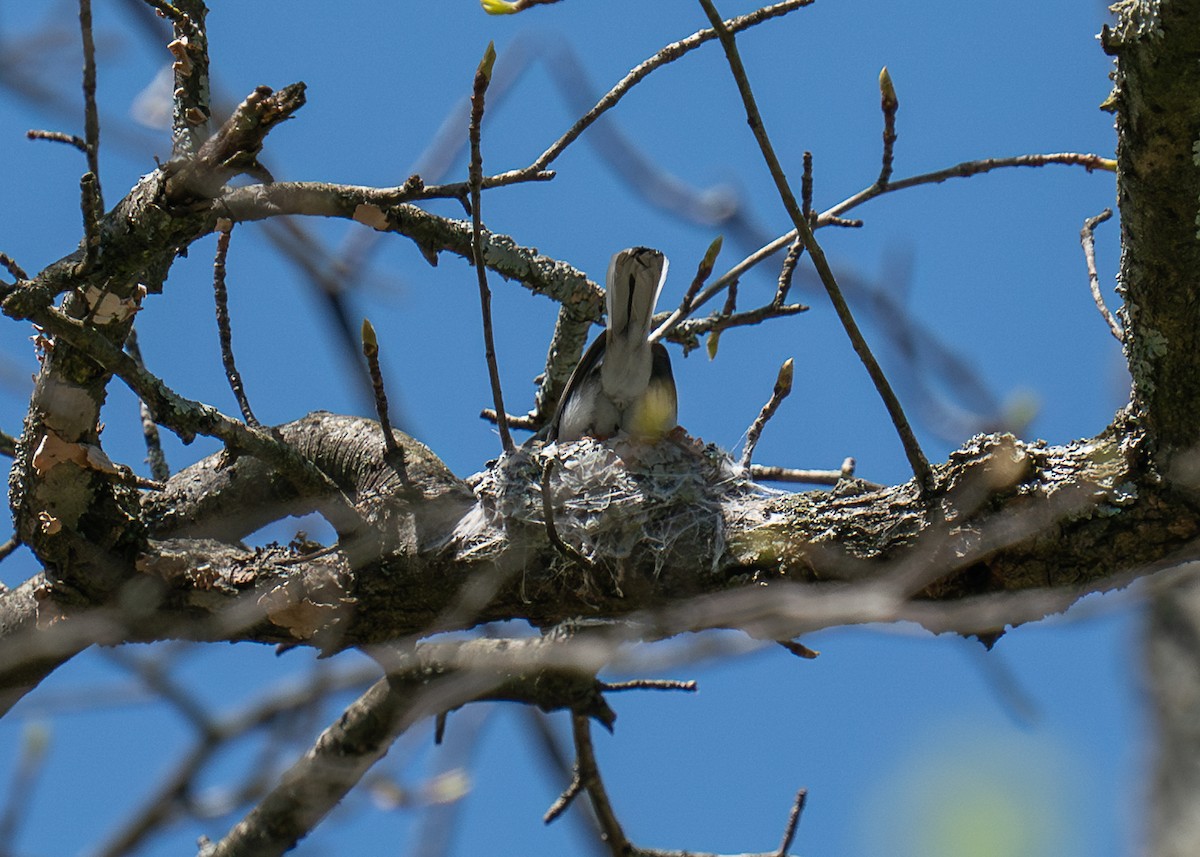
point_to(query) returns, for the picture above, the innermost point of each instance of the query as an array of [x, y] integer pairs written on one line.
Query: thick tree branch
[[1158, 185]]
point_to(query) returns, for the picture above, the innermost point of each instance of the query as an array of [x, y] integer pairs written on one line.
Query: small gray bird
[[623, 383]]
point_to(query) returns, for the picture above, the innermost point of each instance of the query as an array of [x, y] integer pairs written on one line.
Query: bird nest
[[608, 501]]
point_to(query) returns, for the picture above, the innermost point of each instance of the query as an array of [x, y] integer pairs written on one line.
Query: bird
[[623, 383]]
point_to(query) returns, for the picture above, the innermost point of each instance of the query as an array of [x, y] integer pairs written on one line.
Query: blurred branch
[[434, 678], [169, 799], [665, 56]]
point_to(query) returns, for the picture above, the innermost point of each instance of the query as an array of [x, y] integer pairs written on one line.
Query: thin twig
[[187, 417], [8, 547], [703, 270], [966, 169], [58, 137], [10, 265], [154, 451], [551, 530], [760, 472], [889, 104], [799, 649], [806, 186], [564, 800], [224, 329], [529, 422], [91, 120], [648, 684], [8, 445], [1088, 239], [668, 54], [589, 775], [370, 350], [789, 832], [912, 449], [483, 76], [782, 389], [787, 271]]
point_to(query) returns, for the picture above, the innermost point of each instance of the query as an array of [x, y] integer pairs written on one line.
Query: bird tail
[[635, 279]]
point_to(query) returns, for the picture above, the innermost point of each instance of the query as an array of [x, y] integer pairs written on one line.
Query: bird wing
[[586, 371]]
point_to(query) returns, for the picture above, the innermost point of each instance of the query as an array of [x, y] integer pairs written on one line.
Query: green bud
[[485, 64], [887, 91], [783, 381], [369, 341]]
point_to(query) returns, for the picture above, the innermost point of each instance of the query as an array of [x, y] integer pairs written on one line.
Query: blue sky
[[905, 741]]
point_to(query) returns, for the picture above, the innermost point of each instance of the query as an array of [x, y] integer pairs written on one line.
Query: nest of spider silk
[[610, 502]]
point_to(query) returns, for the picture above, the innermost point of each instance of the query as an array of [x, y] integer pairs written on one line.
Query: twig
[[811, 477], [588, 773], [370, 350], [799, 649], [224, 329], [648, 684], [889, 104], [8, 445], [91, 121], [787, 271], [703, 270], [58, 137], [154, 451], [8, 547], [564, 800], [483, 76], [806, 186], [912, 449], [966, 169], [12, 267], [789, 832], [783, 388], [187, 417], [1088, 239], [668, 54], [551, 530], [530, 422]]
